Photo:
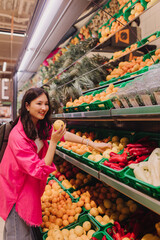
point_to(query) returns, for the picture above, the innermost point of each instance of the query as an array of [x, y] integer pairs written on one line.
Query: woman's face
[[38, 108]]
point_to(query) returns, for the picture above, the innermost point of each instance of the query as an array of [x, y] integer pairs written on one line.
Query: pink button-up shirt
[[23, 176]]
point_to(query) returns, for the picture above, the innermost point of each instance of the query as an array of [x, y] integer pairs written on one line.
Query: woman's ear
[[27, 106]]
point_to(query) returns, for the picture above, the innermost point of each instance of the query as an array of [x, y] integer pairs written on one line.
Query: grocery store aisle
[[1, 228]]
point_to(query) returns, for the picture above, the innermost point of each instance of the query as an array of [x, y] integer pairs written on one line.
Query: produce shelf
[[140, 112], [78, 164], [39, 84], [105, 113], [136, 195]]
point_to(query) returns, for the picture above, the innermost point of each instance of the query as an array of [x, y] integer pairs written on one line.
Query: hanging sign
[[125, 37]]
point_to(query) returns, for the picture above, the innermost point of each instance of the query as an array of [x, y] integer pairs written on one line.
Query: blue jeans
[[15, 227]]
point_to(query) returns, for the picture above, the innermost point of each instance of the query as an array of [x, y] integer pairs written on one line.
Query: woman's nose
[[44, 107]]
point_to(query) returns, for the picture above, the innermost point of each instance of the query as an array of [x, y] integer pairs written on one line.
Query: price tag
[[133, 102], [157, 96], [146, 99], [82, 114]]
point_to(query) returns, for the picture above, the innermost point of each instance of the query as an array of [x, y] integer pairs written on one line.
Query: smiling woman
[[28, 160]]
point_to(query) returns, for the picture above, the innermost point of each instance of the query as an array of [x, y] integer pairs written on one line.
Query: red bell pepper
[[132, 236], [104, 238], [112, 165], [116, 235], [109, 231], [141, 158]]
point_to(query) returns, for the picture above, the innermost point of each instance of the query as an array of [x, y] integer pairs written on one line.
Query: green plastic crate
[[101, 105], [58, 147], [45, 236], [65, 150], [142, 186], [119, 175], [102, 227], [127, 13], [91, 163], [145, 40], [100, 234], [144, 3], [76, 156], [82, 219], [158, 34]]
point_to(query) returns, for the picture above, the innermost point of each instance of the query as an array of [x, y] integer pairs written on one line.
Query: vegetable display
[[149, 171], [133, 153]]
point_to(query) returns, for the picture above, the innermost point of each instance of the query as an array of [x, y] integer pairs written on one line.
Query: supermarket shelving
[[136, 195], [140, 113], [39, 84]]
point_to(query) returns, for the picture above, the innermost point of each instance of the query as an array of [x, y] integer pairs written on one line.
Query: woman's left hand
[[101, 147]]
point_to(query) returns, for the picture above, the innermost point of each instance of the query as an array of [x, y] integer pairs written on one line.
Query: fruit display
[[134, 153], [133, 66], [103, 96], [140, 92], [136, 228], [136, 10], [104, 203], [58, 210], [83, 229], [127, 50], [102, 17], [76, 147], [106, 30], [71, 176]]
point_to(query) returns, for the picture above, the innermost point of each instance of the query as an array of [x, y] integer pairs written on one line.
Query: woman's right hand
[[57, 135]]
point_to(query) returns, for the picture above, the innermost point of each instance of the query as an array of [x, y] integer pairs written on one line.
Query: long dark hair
[[43, 125]]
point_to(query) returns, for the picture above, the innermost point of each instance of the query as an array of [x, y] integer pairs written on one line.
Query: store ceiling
[[15, 16]]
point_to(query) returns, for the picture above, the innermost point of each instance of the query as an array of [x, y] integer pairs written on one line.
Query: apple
[[61, 177], [57, 174], [62, 169], [75, 170], [58, 124], [69, 174], [64, 164], [67, 168], [54, 172], [51, 182]]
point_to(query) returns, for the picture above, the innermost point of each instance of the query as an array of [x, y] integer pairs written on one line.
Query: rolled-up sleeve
[[29, 161]]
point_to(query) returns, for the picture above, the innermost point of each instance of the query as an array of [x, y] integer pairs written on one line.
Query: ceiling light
[[4, 66], [13, 34], [49, 12]]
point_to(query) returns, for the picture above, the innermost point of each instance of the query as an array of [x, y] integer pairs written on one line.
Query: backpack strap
[[2, 133]]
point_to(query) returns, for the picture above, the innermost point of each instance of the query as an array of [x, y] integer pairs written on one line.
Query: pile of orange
[[133, 66], [58, 210], [90, 98], [127, 50], [106, 31]]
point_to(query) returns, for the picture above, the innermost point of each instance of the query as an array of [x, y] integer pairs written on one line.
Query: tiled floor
[[1, 228]]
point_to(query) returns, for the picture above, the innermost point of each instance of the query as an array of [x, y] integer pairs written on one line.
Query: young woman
[[27, 162]]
